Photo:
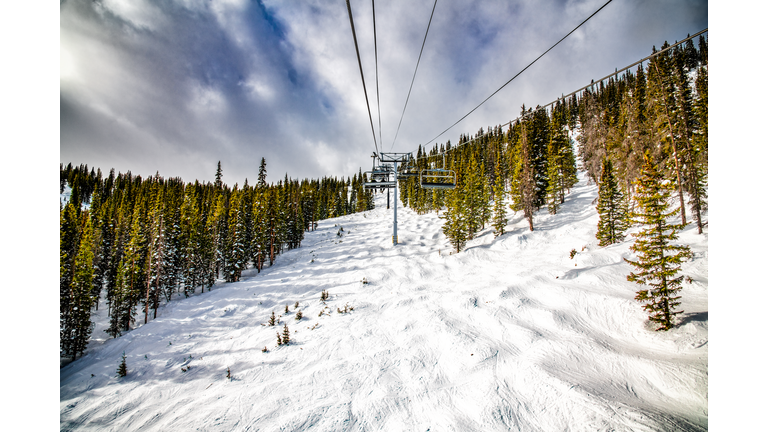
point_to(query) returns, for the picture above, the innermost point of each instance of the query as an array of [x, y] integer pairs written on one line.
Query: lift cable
[[359, 63], [414, 75], [376, 57], [529, 65], [590, 85]]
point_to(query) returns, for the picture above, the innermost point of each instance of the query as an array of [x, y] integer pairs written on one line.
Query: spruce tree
[[523, 182], [286, 335], [218, 183], [658, 260], [499, 211], [68, 246], [82, 286], [122, 369], [611, 206], [262, 179], [456, 227]]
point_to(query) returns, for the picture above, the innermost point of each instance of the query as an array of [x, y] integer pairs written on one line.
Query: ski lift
[[438, 178], [408, 171], [380, 178]]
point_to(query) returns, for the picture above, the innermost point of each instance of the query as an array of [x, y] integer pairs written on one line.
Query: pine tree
[[523, 182], [218, 184], [68, 247], [262, 180], [456, 227], [611, 206], [122, 369], [499, 210], [658, 260], [82, 287], [286, 335]]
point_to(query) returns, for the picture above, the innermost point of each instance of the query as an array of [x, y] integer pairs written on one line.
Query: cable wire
[[359, 63], [376, 57], [590, 85], [414, 76], [518, 74]]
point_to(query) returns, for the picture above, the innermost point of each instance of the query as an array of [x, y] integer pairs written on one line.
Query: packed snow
[[509, 334]]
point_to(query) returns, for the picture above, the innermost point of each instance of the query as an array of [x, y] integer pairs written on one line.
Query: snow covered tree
[[79, 326], [658, 260], [611, 206], [68, 246], [156, 251]]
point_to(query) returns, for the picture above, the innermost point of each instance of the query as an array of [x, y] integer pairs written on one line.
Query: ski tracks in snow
[[509, 334]]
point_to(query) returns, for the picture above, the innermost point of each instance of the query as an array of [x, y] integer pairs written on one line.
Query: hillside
[[510, 333]]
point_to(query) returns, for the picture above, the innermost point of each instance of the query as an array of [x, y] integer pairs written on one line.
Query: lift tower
[[394, 158]]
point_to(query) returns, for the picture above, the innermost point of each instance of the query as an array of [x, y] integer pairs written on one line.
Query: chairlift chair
[[437, 178], [380, 178]]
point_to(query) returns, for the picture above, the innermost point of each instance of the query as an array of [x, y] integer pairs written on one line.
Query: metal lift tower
[[395, 158]]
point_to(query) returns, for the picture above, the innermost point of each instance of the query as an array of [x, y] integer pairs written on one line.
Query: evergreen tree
[[68, 247], [523, 182], [156, 252], [611, 206], [262, 181], [286, 335], [218, 184], [122, 369], [455, 226], [499, 211], [658, 260], [79, 326]]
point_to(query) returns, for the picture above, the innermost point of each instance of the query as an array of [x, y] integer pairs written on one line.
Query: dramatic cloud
[[176, 86]]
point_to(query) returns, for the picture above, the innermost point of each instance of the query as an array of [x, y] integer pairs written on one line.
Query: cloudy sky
[[175, 86]]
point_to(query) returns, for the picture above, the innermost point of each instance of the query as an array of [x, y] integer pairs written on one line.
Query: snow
[[509, 334]]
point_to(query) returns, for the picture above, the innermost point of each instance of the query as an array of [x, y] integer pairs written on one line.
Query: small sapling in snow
[[264, 349], [573, 253], [229, 375], [286, 335], [122, 370], [365, 281], [286, 309], [299, 315], [324, 296], [272, 319], [347, 308], [296, 306], [279, 339]]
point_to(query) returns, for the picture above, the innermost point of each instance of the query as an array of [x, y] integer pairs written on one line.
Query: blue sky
[[176, 86]]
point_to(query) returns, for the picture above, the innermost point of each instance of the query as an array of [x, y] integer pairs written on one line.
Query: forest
[[137, 242], [658, 111]]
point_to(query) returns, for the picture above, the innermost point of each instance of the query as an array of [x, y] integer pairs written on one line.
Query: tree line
[[139, 241], [642, 137], [660, 110]]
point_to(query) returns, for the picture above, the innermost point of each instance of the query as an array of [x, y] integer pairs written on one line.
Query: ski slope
[[509, 334]]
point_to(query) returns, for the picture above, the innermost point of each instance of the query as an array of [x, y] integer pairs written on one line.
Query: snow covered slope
[[510, 334]]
